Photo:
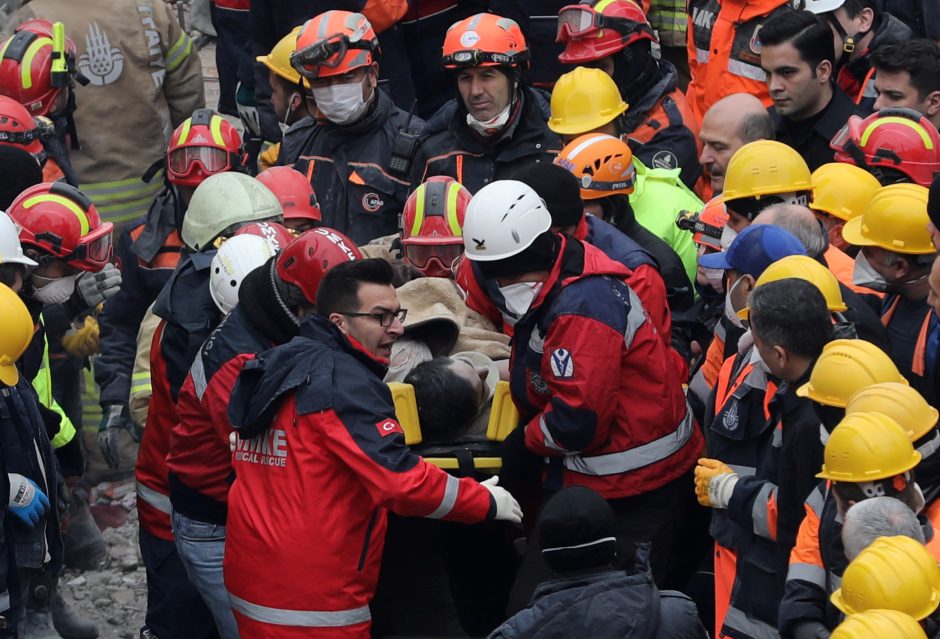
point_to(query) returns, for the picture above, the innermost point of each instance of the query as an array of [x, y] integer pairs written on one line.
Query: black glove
[[115, 419], [810, 630]]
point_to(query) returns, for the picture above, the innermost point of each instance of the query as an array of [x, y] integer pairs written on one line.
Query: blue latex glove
[[27, 501]]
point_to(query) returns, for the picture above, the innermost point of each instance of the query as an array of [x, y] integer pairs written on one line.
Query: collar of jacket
[[258, 300], [322, 329], [833, 118], [159, 223], [530, 128], [185, 299]]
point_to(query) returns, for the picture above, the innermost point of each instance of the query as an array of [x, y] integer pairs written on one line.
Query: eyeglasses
[[384, 318]]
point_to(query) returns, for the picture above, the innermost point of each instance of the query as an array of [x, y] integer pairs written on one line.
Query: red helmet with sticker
[[432, 223], [596, 29], [294, 191], [305, 261], [28, 70], [203, 145], [60, 222], [277, 235]]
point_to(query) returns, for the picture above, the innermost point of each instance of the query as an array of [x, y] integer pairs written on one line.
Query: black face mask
[[830, 416], [633, 67]]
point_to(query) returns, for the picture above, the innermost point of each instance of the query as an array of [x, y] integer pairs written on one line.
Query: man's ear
[[867, 19], [340, 321], [781, 355], [824, 71], [933, 104]]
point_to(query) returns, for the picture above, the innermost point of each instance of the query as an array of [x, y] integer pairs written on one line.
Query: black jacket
[[813, 145]]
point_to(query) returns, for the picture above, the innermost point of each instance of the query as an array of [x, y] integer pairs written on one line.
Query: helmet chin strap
[[849, 43]]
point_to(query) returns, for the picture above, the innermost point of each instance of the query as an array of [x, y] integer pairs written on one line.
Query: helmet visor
[[211, 159], [574, 21], [419, 254]]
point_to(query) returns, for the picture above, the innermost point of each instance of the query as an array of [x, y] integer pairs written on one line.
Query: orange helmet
[[18, 128], [712, 219], [894, 145], [485, 40], [602, 163], [294, 191], [61, 222], [432, 223], [27, 65], [596, 29], [203, 145], [334, 43]]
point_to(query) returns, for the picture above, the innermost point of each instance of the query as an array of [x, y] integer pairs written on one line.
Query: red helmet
[[485, 40], [28, 72], [334, 43], [596, 29], [895, 145], [294, 191], [432, 223], [18, 128], [304, 261], [60, 221], [277, 235], [203, 145]]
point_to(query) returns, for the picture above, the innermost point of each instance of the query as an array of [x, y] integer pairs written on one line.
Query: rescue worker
[[497, 124], [357, 320], [878, 517], [861, 28], [725, 50], [894, 145], [431, 236], [616, 37], [32, 547], [879, 624], [834, 203], [42, 79], [142, 72], [567, 330], [902, 562], [908, 76], [347, 156], [271, 301], [742, 478], [188, 316], [148, 251], [896, 258], [729, 124], [289, 101], [586, 100], [293, 191], [808, 109], [867, 454]]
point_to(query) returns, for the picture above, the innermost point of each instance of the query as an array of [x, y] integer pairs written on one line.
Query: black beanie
[[933, 202], [558, 187], [577, 530], [18, 171], [540, 255]]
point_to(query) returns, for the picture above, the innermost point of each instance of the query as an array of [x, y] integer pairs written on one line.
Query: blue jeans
[[201, 546]]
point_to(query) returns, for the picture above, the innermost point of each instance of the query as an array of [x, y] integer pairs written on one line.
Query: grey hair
[[799, 221], [877, 517], [757, 126]]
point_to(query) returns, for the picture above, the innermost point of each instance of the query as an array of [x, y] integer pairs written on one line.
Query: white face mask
[[489, 127], [57, 291], [729, 307], [864, 274], [727, 237], [715, 277], [341, 103], [519, 296]]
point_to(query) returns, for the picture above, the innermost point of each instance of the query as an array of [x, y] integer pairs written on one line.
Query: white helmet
[[11, 251], [503, 219], [224, 200], [235, 259], [817, 6]]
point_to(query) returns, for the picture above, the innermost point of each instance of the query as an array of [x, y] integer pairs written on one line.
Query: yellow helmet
[[765, 167], [867, 447], [879, 624], [901, 403], [278, 61], [842, 190], [845, 367], [895, 220], [802, 267], [16, 335], [584, 100], [893, 573]]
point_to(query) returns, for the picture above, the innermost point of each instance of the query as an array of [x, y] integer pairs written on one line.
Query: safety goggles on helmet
[[475, 58], [327, 53], [211, 159], [575, 21], [93, 250], [419, 253]]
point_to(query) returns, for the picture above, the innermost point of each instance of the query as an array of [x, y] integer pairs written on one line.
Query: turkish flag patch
[[388, 427]]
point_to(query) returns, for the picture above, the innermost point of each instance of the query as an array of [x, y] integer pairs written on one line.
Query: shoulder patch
[[562, 364]]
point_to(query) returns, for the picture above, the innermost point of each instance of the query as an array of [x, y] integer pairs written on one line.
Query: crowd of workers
[[650, 301]]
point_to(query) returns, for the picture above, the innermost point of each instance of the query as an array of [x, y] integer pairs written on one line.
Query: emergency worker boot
[[85, 548], [68, 623], [38, 623]]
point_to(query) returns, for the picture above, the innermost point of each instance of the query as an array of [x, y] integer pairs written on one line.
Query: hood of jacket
[[161, 220], [185, 299]]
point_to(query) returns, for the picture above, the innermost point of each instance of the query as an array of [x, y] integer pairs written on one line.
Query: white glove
[[94, 288], [507, 508]]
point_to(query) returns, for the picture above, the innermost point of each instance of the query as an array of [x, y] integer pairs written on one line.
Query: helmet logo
[[199, 139], [480, 244], [372, 202], [101, 63], [469, 39]]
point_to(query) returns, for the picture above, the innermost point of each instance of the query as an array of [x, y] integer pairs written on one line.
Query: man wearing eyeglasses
[[348, 155], [315, 420], [498, 124]]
